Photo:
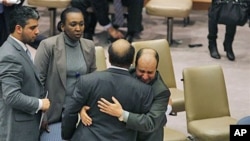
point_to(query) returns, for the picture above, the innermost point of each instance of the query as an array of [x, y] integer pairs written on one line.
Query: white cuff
[[106, 27], [40, 105], [169, 109]]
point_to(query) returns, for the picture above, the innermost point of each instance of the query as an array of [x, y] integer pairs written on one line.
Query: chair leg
[[171, 41], [190, 138], [52, 21], [170, 30], [186, 21]]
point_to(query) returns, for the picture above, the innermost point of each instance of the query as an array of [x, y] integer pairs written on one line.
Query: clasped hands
[[113, 109]]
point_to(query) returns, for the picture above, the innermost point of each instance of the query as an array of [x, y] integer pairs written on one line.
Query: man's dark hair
[[141, 51], [20, 15], [121, 60]]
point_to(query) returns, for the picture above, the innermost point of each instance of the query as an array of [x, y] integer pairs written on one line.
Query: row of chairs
[[204, 98]]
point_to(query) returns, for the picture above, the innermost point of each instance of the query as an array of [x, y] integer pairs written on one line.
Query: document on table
[[46, 96]]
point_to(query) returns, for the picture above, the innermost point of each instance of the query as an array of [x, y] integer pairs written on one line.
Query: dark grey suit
[[20, 90], [151, 124], [131, 93]]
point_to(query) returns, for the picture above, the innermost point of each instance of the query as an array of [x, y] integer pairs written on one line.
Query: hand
[[86, 120], [114, 33], [5, 3], [46, 104], [45, 126], [113, 109]]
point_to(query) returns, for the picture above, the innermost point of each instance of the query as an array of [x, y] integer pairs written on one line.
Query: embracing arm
[[148, 122], [153, 119]]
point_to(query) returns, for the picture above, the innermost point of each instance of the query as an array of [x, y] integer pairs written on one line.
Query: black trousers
[[3, 32], [213, 25], [102, 16]]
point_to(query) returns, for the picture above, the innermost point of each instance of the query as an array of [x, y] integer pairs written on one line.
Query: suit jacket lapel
[[25, 56], [60, 57]]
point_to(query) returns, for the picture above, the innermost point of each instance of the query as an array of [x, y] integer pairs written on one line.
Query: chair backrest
[[50, 3], [205, 92], [165, 66], [100, 58]]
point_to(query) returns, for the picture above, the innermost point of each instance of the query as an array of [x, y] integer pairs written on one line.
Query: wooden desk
[[201, 4]]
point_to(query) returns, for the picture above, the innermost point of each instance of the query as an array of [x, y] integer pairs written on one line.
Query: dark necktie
[[29, 54], [119, 19]]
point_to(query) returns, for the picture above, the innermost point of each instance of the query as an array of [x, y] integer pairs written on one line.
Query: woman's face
[[74, 25]]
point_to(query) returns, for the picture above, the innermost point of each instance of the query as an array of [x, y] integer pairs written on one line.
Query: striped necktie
[[119, 19]]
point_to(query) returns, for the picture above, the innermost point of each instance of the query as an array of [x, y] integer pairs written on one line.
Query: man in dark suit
[[4, 18], [133, 94], [7, 7], [22, 94], [149, 125], [101, 8]]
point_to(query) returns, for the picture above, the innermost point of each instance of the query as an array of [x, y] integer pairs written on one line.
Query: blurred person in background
[[101, 14]]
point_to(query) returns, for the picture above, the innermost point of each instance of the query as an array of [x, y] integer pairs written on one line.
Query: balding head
[[146, 65], [121, 53], [148, 52]]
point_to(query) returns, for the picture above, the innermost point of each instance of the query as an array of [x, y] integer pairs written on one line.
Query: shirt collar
[[115, 67], [19, 42]]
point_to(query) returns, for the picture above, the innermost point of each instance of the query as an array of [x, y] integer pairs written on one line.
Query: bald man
[[134, 95]]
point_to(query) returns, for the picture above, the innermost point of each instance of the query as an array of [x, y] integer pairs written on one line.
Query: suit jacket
[[51, 62], [20, 90], [132, 94], [150, 125], [4, 19]]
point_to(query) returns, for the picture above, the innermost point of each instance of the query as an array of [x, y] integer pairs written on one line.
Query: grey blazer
[[134, 95], [50, 60], [151, 124], [20, 90]]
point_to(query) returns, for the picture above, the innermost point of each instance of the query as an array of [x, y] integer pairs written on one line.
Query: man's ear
[[18, 29]]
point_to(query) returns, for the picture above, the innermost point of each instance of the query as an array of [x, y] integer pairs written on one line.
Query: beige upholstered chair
[[206, 103], [166, 69], [170, 9], [100, 58], [173, 135]]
